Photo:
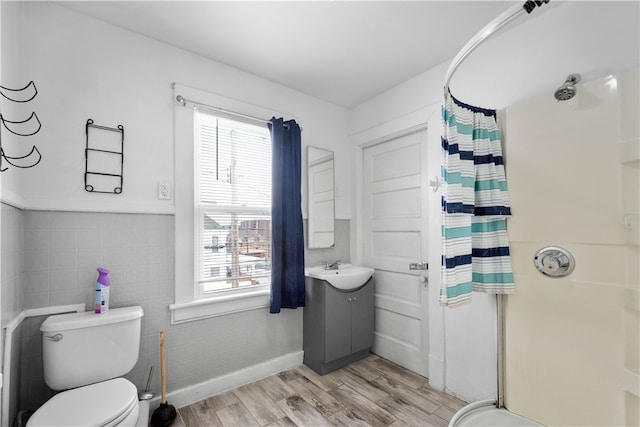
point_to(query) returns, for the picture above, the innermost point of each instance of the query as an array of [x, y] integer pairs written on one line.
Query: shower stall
[[571, 343], [569, 352]]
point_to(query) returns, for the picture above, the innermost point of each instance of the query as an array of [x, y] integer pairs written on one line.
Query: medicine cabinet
[[321, 200]]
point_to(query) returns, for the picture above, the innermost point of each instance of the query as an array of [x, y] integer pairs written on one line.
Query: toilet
[[84, 355]]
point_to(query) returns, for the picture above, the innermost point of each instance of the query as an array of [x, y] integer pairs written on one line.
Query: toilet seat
[[103, 404]]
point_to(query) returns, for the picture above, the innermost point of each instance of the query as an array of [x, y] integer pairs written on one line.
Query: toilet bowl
[[84, 355], [108, 403]]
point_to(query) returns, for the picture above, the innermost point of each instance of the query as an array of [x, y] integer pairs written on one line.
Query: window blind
[[233, 194]]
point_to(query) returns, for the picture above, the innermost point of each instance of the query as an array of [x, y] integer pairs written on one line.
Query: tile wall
[[61, 253], [12, 260], [340, 251], [50, 258]]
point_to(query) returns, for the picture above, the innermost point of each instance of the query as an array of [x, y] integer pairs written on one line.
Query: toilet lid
[[97, 404]]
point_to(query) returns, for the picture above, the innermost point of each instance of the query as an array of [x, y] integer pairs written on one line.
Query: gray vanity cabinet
[[338, 325]]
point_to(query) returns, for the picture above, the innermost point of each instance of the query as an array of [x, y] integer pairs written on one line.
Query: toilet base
[[143, 415]]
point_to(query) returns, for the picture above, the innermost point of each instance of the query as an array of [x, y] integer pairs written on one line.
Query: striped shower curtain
[[475, 204]]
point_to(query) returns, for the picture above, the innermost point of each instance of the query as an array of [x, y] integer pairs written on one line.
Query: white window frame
[[188, 306]]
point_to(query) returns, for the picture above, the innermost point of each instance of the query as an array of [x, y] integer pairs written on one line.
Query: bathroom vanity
[[338, 322]]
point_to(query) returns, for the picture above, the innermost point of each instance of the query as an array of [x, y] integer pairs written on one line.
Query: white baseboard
[[188, 395]]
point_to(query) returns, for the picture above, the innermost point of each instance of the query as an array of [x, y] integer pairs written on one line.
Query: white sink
[[346, 277]]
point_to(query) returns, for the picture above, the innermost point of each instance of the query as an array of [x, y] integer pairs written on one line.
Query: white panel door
[[395, 223]]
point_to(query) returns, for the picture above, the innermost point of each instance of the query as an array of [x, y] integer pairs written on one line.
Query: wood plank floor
[[370, 392]]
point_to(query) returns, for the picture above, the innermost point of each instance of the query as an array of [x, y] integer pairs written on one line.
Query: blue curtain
[[287, 262]]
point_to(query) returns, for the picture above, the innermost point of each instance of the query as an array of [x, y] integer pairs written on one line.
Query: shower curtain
[[287, 261], [475, 204]]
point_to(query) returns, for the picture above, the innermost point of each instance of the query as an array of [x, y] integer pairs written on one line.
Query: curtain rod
[[493, 26], [183, 101]]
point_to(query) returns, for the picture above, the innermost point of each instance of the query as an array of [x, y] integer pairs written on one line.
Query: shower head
[[568, 89]]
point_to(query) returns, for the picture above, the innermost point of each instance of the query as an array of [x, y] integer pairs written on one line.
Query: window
[[222, 237], [233, 204]]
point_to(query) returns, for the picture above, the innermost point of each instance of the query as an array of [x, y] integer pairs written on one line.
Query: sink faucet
[[332, 266]]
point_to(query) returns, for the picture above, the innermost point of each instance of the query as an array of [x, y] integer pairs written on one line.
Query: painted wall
[[11, 67], [462, 341], [88, 69], [59, 234], [572, 343]]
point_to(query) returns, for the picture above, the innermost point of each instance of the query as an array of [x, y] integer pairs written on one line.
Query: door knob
[[419, 266]]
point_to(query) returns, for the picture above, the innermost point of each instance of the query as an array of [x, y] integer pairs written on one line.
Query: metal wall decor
[[27, 127], [22, 95], [104, 158]]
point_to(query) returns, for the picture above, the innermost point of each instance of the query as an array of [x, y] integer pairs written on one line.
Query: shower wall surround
[[572, 343]]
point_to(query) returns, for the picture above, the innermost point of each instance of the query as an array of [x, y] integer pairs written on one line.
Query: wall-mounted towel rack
[[27, 127], [104, 159]]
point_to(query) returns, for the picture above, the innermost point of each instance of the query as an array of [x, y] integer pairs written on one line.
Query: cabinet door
[[362, 321], [337, 324]]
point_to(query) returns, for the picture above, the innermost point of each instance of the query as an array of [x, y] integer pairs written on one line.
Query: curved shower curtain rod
[[493, 26]]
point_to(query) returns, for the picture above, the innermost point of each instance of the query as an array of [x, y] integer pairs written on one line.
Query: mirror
[[321, 198]]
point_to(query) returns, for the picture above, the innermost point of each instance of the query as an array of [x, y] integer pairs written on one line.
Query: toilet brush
[[165, 414], [147, 394]]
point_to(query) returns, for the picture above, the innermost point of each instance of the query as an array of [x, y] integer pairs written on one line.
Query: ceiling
[[347, 52], [342, 52]]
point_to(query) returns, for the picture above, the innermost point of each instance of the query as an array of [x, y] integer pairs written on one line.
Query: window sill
[[219, 306]]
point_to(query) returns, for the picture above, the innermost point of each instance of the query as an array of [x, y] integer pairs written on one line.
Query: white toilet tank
[[85, 348]]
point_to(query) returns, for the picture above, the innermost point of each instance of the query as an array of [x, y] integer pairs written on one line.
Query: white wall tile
[[36, 281], [64, 220], [113, 238], [37, 219], [89, 238], [89, 259], [112, 257], [62, 297], [61, 280], [91, 220], [137, 255], [37, 238], [64, 259], [36, 260], [62, 238], [36, 300]]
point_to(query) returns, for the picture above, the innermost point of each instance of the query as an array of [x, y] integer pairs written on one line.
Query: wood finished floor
[[370, 392]]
